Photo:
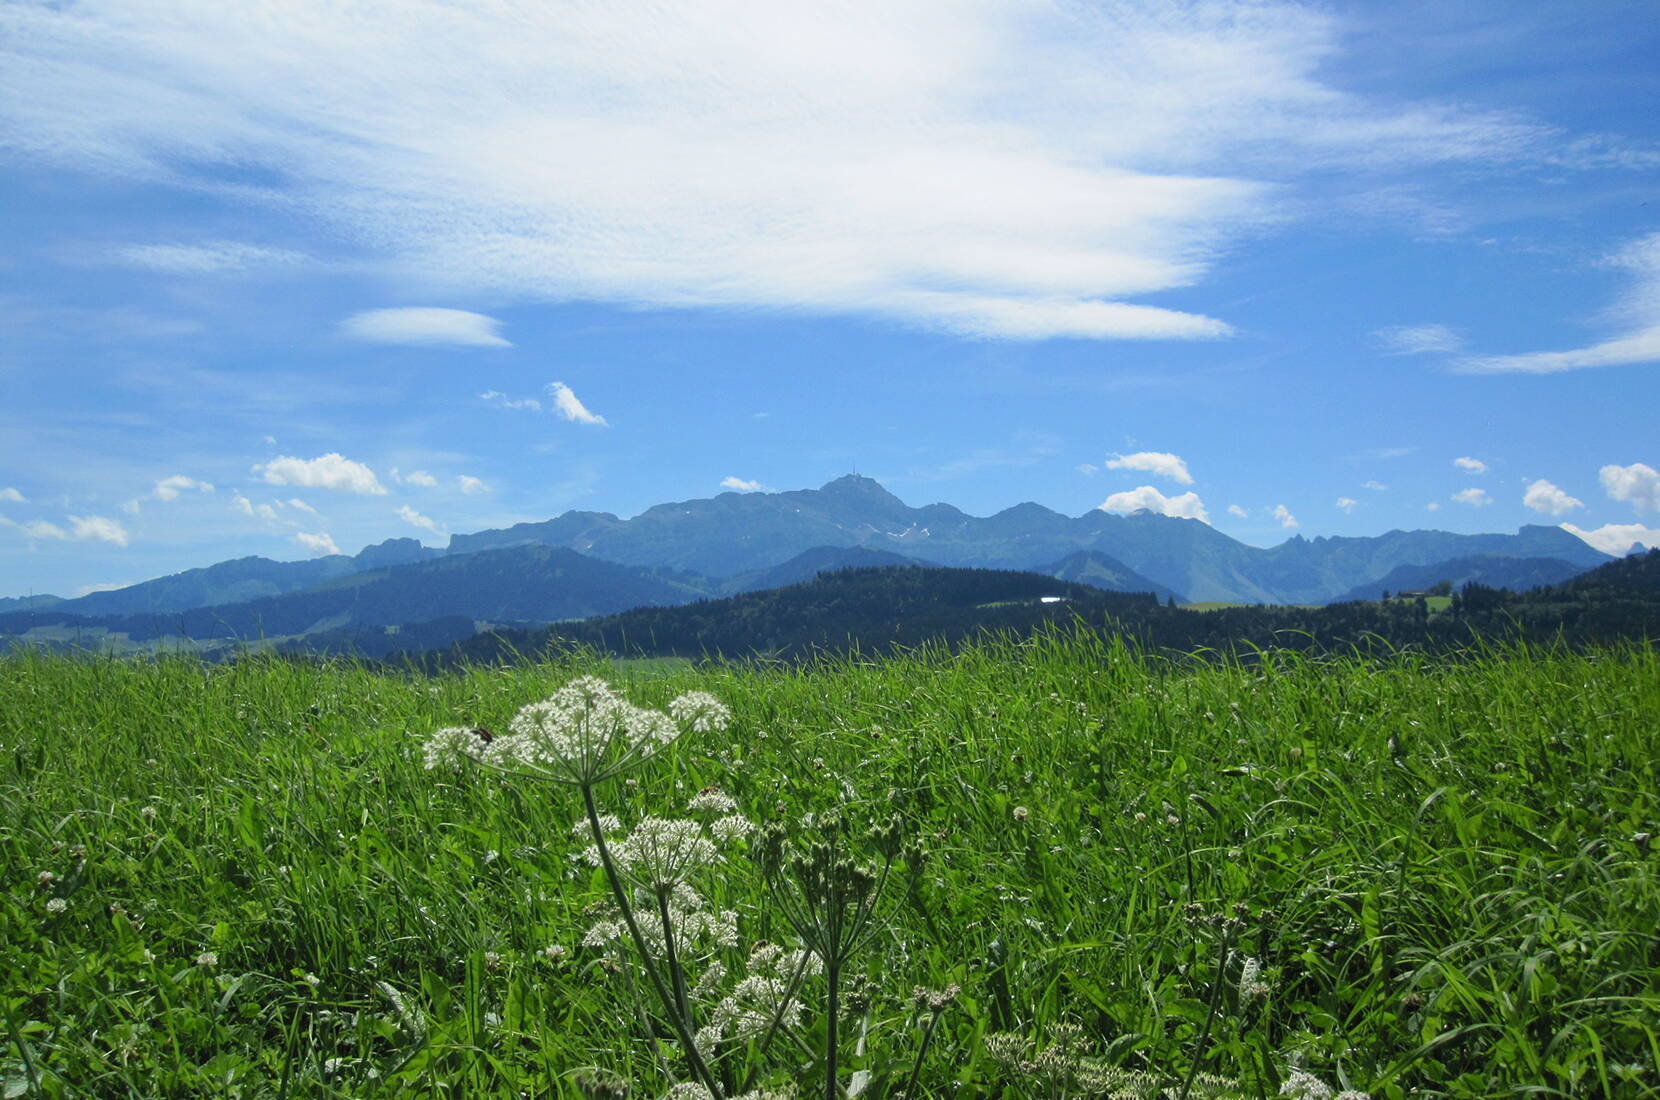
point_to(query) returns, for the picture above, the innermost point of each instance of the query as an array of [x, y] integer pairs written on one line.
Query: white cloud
[[1420, 340], [470, 485], [1186, 506], [296, 502], [210, 258], [1347, 505], [739, 485], [36, 528], [169, 488], [1153, 462], [1637, 483], [1088, 469], [1617, 538], [1238, 512], [1637, 314], [425, 325], [102, 586], [1476, 498], [420, 478], [501, 400], [243, 504], [1470, 465], [1283, 515], [1433, 506], [565, 403], [97, 528], [871, 158], [330, 471], [1375, 486], [416, 519], [320, 543], [12, 495], [1548, 500]]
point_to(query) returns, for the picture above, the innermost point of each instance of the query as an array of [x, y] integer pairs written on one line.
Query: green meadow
[[1144, 877]]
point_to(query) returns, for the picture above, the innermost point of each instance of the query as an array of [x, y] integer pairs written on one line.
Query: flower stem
[[682, 1032]]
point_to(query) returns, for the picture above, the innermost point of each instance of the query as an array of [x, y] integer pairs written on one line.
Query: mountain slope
[[1098, 570], [1492, 570], [523, 583]]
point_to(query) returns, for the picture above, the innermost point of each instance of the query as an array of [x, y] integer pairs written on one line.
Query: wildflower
[[936, 1000], [660, 852], [45, 880], [492, 960], [730, 828], [712, 800], [56, 906], [1020, 814], [148, 813], [553, 952], [1251, 985], [207, 960], [1302, 1085], [700, 712]]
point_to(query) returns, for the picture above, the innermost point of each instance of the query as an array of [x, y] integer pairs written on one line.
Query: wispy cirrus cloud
[[1420, 340], [208, 258], [788, 156], [1636, 315]]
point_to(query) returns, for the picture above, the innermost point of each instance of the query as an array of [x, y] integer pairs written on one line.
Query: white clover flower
[[688, 1091], [700, 712], [553, 952], [56, 905], [148, 813], [45, 880], [207, 960]]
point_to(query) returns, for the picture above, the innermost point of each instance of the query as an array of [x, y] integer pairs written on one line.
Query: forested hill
[[874, 609], [871, 608]]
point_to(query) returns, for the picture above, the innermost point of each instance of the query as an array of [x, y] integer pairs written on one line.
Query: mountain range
[[583, 564]]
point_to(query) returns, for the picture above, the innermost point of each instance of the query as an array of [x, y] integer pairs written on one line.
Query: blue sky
[[285, 278]]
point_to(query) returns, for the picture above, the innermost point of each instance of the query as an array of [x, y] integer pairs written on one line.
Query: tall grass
[[1405, 877]]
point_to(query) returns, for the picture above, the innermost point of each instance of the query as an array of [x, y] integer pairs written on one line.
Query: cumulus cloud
[[470, 485], [421, 479], [1419, 340], [565, 403], [330, 471], [739, 485], [416, 519], [1237, 512], [1636, 316], [97, 529], [1347, 505], [1375, 486], [502, 401], [1147, 498], [425, 325], [209, 258], [1283, 516], [1548, 500], [1637, 483], [169, 488], [12, 495], [1153, 462], [36, 528], [266, 512], [1470, 465], [786, 155], [1476, 498], [1433, 506], [1618, 539], [321, 543]]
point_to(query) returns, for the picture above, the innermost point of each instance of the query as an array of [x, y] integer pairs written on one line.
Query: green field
[[1146, 877]]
